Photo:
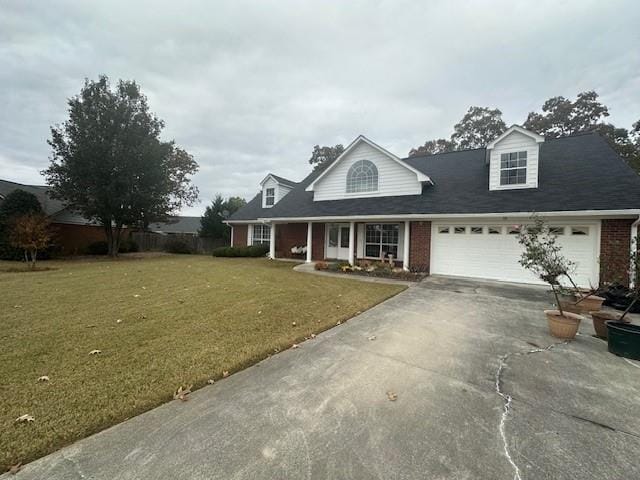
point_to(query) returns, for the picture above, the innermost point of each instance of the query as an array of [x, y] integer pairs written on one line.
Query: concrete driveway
[[322, 411]]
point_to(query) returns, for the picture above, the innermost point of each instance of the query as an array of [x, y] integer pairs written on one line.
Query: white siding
[[393, 178], [514, 142], [483, 255], [279, 190]]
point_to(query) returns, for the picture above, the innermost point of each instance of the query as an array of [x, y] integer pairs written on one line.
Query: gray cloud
[[250, 87]]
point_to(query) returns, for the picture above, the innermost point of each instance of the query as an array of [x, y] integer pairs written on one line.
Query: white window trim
[[262, 228], [364, 240]]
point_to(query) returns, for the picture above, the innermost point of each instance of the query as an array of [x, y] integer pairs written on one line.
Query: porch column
[[309, 227], [352, 242], [232, 235], [407, 244], [272, 241]]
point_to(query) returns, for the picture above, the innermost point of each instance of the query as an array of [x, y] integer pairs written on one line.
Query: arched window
[[362, 177]]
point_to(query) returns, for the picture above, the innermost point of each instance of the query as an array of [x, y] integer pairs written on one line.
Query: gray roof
[[177, 225], [284, 181], [49, 205], [579, 172]]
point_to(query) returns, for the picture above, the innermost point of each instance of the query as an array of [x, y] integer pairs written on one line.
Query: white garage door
[[492, 251]]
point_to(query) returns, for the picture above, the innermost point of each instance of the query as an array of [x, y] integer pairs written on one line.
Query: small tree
[[31, 233], [542, 255], [15, 204]]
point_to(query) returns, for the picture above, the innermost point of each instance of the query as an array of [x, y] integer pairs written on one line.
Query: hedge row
[[251, 251]]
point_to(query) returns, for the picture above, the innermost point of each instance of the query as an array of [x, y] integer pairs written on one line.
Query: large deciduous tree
[[561, 116], [478, 127], [323, 156], [109, 163], [212, 222]]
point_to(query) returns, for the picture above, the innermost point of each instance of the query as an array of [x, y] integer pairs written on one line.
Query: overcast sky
[[250, 87]]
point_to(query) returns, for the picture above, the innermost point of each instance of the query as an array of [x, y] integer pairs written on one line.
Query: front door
[[338, 241]]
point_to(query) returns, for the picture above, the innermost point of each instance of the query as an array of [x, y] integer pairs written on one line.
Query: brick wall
[[317, 241], [420, 246], [290, 235], [74, 239], [240, 235], [615, 243]]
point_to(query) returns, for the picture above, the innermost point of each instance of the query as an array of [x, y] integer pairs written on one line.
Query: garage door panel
[[496, 256]]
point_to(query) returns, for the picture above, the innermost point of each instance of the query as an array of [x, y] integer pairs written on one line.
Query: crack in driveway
[[508, 399]]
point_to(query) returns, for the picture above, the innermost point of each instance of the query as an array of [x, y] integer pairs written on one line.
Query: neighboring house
[[72, 232], [456, 213], [177, 226]]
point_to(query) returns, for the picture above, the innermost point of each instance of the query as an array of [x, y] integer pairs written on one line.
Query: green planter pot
[[624, 339]]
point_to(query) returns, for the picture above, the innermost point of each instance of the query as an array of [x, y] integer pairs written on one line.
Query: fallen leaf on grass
[[95, 352], [293, 324], [392, 396], [119, 320], [372, 337], [43, 378], [211, 381], [181, 393], [13, 469], [25, 418], [313, 335], [136, 296], [295, 345], [225, 374], [338, 322]]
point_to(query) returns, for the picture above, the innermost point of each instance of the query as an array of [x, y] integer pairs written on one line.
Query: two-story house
[[456, 213]]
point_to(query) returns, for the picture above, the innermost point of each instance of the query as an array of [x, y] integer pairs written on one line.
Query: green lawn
[[160, 323]]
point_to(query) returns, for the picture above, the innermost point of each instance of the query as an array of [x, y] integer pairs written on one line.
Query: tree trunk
[[117, 233], [108, 230], [34, 255]]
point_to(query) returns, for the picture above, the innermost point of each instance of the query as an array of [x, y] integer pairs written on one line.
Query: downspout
[[633, 249]]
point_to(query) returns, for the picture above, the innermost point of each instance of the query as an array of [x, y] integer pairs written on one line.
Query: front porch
[[403, 242]]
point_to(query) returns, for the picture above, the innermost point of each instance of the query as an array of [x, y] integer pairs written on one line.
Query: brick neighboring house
[[455, 213], [73, 233]]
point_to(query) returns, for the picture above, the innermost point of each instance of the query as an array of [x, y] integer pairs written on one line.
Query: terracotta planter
[[566, 326], [570, 306], [599, 319], [590, 304]]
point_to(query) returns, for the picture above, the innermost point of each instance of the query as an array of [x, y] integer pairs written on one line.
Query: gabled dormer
[[513, 159], [274, 188], [365, 169]]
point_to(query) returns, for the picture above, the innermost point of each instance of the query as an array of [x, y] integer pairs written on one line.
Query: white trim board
[[423, 216]]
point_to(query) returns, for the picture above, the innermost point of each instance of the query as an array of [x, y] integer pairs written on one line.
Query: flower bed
[[370, 269]]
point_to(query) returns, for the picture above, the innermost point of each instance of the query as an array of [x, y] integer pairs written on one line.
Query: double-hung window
[[270, 197], [261, 235], [513, 168], [381, 240]]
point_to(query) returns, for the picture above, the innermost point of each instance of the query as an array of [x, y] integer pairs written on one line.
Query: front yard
[[158, 323]]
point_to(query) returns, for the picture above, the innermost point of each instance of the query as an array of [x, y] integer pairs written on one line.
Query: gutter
[[423, 216]]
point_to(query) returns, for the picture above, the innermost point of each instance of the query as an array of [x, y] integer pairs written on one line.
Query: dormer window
[[270, 197], [362, 177], [513, 168]]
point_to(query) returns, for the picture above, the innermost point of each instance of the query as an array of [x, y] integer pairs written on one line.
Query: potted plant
[[542, 256], [624, 338]]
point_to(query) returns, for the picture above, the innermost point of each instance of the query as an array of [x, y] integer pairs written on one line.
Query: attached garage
[[491, 250]]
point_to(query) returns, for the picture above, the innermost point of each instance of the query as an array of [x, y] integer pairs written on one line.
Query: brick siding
[[317, 241], [420, 246], [240, 235], [290, 235], [615, 243]]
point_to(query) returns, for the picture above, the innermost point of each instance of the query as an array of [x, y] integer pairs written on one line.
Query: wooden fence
[[154, 242]]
